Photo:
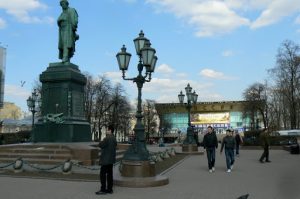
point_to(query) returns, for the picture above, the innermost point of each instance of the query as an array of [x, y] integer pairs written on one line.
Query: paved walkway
[[188, 180]]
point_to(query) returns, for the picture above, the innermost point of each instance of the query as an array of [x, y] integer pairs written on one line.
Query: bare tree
[[102, 104], [106, 104], [90, 94], [119, 110], [286, 74], [150, 118], [256, 102]]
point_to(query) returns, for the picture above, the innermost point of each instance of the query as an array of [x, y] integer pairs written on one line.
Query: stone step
[[34, 161], [118, 152], [34, 146], [119, 157], [36, 156], [35, 150]]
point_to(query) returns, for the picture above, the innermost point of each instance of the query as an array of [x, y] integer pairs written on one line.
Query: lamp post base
[[137, 168], [138, 174]]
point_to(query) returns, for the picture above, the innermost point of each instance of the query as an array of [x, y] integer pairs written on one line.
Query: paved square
[[190, 179]]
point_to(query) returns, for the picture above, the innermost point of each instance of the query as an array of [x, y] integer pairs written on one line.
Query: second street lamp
[[189, 144], [33, 103]]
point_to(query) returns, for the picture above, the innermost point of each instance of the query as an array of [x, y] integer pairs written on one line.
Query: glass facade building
[[219, 115]]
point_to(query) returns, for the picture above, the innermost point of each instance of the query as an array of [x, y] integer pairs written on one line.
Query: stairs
[[119, 156], [53, 154], [35, 153]]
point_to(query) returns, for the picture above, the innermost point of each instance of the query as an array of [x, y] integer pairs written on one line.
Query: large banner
[[210, 118], [2, 73]]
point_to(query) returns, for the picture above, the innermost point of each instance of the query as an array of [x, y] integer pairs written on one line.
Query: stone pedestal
[[62, 93]]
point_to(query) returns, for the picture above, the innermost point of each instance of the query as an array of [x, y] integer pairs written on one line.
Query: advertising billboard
[[211, 118], [2, 73]]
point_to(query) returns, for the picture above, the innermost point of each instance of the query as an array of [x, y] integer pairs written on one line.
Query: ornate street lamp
[[147, 59], [33, 102], [191, 99]]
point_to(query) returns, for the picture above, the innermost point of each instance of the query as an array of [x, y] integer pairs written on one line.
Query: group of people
[[230, 142]]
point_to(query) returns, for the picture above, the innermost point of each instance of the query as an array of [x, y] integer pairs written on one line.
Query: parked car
[[290, 141], [292, 132]]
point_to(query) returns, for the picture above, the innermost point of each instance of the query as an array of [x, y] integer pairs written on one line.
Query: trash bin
[[295, 149]]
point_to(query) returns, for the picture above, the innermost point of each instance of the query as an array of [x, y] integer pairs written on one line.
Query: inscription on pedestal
[[77, 104]]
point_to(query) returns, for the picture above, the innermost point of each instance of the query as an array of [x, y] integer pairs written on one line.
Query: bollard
[[67, 167], [18, 166]]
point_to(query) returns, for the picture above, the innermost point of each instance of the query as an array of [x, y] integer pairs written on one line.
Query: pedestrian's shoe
[[261, 161], [268, 161], [231, 167], [210, 171], [228, 171], [109, 191], [213, 169], [100, 192]]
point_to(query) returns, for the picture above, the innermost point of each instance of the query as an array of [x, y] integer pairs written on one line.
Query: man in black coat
[[108, 157], [265, 143], [210, 143]]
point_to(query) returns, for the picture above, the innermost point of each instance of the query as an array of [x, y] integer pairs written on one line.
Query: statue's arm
[[74, 18]]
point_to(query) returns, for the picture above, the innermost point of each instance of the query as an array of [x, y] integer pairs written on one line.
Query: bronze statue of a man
[[67, 23]]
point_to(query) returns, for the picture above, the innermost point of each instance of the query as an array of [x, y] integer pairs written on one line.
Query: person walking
[[229, 143], [210, 143], [265, 143], [108, 157], [238, 142]]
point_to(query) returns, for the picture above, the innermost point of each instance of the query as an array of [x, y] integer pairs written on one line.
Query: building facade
[[219, 115]]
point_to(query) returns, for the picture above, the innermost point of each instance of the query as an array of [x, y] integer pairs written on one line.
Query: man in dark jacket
[[229, 143], [107, 159], [238, 141], [265, 143], [210, 143]]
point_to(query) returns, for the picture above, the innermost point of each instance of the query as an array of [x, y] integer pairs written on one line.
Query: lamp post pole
[[31, 103], [191, 99], [147, 59]]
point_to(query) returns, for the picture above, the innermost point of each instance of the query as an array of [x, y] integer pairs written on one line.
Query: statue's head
[[64, 2]]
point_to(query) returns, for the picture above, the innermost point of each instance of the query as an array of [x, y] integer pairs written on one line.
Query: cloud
[[209, 73], [114, 76], [208, 17], [218, 17], [14, 91], [20, 9], [168, 86], [227, 53], [167, 90], [2, 23], [181, 75], [275, 11], [164, 68]]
